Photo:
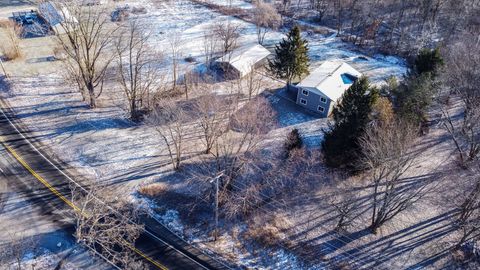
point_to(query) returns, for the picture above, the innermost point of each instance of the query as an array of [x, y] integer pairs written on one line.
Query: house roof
[[244, 58], [50, 13], [331, 79], [53, 16]]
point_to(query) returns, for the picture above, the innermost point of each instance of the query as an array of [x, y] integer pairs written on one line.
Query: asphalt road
[[24, 219], [159, 246]]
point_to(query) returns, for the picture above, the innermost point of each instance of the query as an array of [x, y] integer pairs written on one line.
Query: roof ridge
[[330, 74]]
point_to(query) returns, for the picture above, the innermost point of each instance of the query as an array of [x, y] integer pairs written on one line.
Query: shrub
[[139, 10], [269, 231], [10, 48], [190, 59], [9, 54], [153, 190], [293, 141], [266, 235]]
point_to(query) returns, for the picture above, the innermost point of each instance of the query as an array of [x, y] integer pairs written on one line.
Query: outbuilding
[[242, 61], [324, 87], [55, 15]]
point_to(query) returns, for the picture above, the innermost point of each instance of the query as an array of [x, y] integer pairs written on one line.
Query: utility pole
[[216, 179]]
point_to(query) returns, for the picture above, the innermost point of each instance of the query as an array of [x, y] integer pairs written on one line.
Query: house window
[[324, 100], [320, 109], [303, 101], [304, 92]]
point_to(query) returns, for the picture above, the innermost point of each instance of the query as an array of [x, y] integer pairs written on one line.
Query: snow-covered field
[[105, 146], [102, 145], [189, 23]]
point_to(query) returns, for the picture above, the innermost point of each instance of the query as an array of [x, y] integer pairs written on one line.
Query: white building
[[242, 61], [55, 16]]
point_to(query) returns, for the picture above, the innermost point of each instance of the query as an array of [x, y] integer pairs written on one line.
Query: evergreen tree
[[415, 94], [294, 141], [413, 98], [291, 60], [427, 61], [340, 145]]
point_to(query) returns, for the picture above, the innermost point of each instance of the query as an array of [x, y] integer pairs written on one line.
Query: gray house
[[324, 87]]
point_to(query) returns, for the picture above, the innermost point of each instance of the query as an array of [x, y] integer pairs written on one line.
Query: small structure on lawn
[[324, 87], [55, 16], [93, 2], [242, 61]]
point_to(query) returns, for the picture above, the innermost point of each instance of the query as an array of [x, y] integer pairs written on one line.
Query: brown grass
[[8, 53], [153, 190], [10, 47], [5, 23], [268, 233]]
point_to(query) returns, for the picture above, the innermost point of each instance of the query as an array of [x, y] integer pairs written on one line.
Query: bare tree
[[193, 81], [210, 46], [247, 126], [171, 123], [213, 117], [267, 180], [13, 251], [106, 224], [137, 73], [344, 202], [266, 18], [86, 41], [176, 53], [227, 33], [252, 83], [321, 7], [469, 215], [387, 155], [460, 76], [286, 5], [234, 150]]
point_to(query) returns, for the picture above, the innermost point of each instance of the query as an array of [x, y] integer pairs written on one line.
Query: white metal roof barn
[[245, 59]]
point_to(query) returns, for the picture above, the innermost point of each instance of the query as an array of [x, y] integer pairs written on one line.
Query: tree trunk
[[374, 225], [133, 110], [91, 93]]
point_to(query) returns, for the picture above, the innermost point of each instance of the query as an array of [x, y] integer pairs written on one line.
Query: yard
[[101, 144]]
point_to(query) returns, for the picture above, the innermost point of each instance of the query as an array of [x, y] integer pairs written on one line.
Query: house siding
[[313, 101]]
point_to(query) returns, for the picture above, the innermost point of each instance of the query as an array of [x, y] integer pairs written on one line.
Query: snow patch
[[172, 221]]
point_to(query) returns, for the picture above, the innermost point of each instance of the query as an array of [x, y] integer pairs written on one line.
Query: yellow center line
[[68, 202]]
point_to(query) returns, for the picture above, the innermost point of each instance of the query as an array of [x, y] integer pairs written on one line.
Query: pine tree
[[291, 57], [415, 94], [340, 145], [427, 61]]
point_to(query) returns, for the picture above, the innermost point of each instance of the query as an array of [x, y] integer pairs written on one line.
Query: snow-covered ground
[[30, 234], [232, 3], [102, 145], [244, 256], [189, 23]]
